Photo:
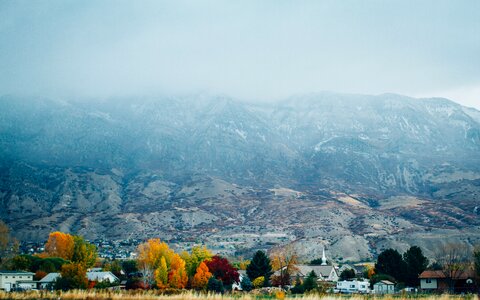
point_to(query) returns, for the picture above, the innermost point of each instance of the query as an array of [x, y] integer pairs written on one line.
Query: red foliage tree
[[222, 269]]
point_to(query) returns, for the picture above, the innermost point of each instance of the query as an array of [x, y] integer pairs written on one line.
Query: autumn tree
[[150, 255], [177, 277], [201, 277], [83, 252], [222, 269], [72, 276], [8, 245], [161, 274], [60, 244], [259, 266], [284, 261], [197, 255]]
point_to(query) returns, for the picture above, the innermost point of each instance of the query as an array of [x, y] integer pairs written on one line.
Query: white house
[[353, 286], [384, 287], [237, 286], [48, 281], [102, 277], [11, 280]]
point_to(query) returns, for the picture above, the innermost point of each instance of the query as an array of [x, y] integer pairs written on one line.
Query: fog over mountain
[[357, 173]]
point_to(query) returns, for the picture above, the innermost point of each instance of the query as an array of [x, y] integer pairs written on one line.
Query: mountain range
[[354, 173]]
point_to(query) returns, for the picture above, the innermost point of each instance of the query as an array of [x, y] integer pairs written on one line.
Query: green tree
[[246, 284], [390, 262], [129, 266], [310, 282], [260, 266], [298, 287], [347, 274], [83, 252], [415, 263], [215, 285], [21, 262]]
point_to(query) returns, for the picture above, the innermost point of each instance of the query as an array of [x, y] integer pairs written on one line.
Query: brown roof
[[440, 274], [431, 274]]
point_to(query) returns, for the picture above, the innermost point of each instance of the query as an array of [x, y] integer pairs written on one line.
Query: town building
[[384, 287], [16, 280]]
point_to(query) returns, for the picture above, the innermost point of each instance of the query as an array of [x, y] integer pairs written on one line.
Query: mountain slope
[[349, 171]]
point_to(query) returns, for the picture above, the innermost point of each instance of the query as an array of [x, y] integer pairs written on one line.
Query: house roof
[[386, 282], [16, 273], [95, 276], [50, 277], [431, 274], [438, 274], [304, 270]]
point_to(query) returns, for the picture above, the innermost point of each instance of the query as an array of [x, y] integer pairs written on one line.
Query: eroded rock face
[[357, 173]]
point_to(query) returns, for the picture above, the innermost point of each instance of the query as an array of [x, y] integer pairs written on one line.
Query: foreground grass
[[151, 295]]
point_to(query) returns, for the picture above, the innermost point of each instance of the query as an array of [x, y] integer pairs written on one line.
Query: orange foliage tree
[[60, 244], [177, 277], [201, 277]]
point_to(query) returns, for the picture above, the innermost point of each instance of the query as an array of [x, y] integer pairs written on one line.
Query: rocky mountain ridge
[[356, 173]]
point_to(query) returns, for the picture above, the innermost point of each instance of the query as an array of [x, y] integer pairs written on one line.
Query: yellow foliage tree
[[177, 277], [151, 252], [258, 282], [201, 277], [161, 274], [60, 244]]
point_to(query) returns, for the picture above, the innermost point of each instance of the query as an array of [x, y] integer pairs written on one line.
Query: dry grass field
[[151, 295]]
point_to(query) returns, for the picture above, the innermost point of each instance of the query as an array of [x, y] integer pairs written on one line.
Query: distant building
[[384, 287], [16, 280], [324, 273]]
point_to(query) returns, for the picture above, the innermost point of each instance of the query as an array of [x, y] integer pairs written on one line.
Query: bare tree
[[454, 260]]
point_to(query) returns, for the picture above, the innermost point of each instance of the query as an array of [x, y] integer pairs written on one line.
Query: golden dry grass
[[155, 295]]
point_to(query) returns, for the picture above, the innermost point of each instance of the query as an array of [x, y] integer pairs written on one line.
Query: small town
[[69, 262]]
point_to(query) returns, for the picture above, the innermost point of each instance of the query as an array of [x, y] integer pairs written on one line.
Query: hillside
[[357, 173]]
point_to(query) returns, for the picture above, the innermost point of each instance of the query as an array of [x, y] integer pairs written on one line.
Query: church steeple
[[324, 258]]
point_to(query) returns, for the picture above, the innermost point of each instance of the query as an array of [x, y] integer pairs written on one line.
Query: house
[[431, 280], [16, 280], [324, 273], [48, 281], [237, 286], [102, 277], [353, 286], [437, 281], [384, 287]]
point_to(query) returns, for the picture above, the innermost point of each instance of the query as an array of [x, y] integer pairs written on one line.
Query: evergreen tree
[[391, 263], [260, 266], [347, 274], [246, 284], [215, 285], [415, 263], [310, 282]]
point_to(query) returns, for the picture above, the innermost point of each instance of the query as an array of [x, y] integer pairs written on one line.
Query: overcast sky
[[246, 49]]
